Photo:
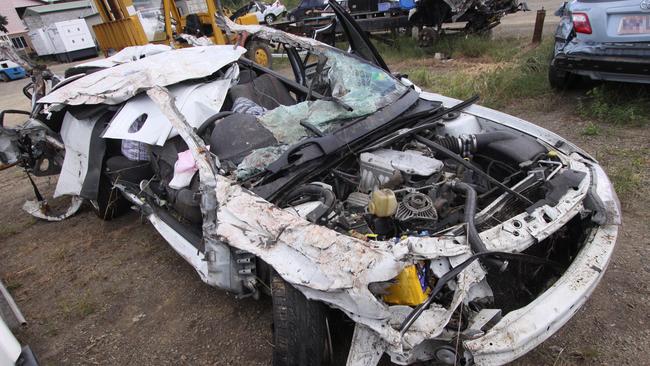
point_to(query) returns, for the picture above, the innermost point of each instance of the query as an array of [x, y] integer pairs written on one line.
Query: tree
[[3, 23]]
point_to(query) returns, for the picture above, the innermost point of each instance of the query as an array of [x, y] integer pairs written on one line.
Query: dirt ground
[[98, 292]]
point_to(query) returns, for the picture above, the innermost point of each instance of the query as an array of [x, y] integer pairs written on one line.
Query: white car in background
[[265, 13]]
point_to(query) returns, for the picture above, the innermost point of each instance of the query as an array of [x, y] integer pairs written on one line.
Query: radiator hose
[[474, 239], [466, 145]]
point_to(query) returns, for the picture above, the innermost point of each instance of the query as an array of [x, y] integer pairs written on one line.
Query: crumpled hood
[[117, 84]]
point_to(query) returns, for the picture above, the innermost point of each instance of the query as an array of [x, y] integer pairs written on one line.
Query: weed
[[59, 254], [86, 307], [8, 231], [617, 103], [627, 176], [12, 286], [498, 84], [455, 46], [591, 129], [81, 307], [475, 46]]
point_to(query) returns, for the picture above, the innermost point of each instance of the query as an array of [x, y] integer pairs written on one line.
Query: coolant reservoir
[[407, 289], [382, 203]]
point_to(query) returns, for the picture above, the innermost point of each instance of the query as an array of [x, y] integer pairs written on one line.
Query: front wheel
[[269, 19], [4, 77], [300, 334]]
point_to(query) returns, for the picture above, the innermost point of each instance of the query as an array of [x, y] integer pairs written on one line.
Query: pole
[[539, 26]]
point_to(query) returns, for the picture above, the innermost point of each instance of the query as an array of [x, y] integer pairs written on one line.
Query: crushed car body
[[443, 230]]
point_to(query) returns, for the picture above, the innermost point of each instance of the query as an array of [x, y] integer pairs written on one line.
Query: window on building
[[19, 43]]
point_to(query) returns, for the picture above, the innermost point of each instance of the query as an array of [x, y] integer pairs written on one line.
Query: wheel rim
[[261, 58], [269, 19]]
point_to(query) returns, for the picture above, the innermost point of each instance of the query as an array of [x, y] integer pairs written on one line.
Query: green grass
[[472, 46], [12, 286], [591, 129], [80, 307], [524, 75], [628, 176], [619, 104]]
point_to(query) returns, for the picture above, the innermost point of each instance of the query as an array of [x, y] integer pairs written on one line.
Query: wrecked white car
[[382, 220]]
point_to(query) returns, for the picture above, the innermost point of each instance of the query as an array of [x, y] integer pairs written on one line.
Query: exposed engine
[[432, 185], [412, 189]]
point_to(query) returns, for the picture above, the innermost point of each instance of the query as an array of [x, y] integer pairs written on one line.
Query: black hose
[[452, 155], [311, 192], [431, 120], [470, 144], [474, 239]]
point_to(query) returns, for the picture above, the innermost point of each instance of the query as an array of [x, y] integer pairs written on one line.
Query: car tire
[[260, 53], [559, 79], [4, 77], [269, 19], [299, 326], [110, 203], [292, 18], [427, 37]]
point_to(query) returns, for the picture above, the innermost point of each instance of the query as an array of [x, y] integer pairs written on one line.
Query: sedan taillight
[[581, 23]]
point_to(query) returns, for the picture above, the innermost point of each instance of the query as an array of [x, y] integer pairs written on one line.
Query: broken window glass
[[362, 86]]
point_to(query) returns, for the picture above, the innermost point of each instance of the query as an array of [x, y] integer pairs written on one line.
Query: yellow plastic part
[[382, 203], [247, 19], [407, 289]]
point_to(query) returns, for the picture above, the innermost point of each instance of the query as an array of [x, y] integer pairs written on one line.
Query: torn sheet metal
[[196, 41], [76, 135], [128, 54], [41, 210], [118, 84], [270, 34], [196, 102], [325, 265], [366, 348], [523, 329], [333, 267]]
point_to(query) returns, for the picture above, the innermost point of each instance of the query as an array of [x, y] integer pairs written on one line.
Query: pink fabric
[[184, 170]]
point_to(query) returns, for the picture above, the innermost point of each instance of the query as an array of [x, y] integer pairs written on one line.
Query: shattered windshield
[[356, 88]]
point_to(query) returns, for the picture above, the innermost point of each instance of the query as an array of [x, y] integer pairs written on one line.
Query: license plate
[[634, 24]]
